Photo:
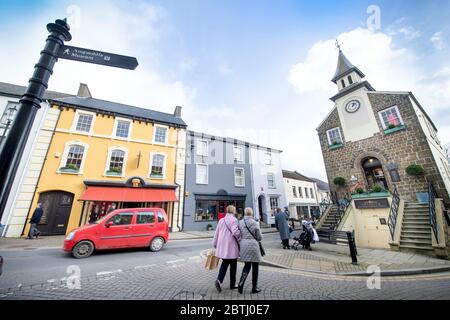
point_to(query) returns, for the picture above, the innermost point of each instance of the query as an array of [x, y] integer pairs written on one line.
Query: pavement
[[323, 259]]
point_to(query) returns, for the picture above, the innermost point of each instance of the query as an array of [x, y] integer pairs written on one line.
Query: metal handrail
[[342, 206], [432, 208], [392, 220]]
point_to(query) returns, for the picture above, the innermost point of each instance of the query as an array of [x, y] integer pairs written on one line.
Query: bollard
[[352, 246]]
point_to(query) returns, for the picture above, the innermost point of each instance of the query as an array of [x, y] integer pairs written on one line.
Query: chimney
[[177, 112], [83, 91]]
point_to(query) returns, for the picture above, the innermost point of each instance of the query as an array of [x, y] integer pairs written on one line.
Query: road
[[177, 273]]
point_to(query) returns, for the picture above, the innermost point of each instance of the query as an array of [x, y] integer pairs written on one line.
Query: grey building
[[217, 174]]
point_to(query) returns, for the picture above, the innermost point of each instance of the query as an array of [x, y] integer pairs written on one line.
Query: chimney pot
[[83, 91]]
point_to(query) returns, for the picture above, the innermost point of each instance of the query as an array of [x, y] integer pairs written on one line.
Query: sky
[[258, 71]]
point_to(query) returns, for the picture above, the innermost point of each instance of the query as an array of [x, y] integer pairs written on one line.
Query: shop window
[[157, 166], [160, 134], [390, 118], [205, 210], [145, 217], [122, 219], [271, 180], [334, 137], [239, 178]]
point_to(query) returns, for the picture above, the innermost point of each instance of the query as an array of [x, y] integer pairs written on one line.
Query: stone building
[[370, 137]]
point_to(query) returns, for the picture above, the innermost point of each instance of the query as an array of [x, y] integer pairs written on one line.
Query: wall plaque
[[372, 203], [395, 176], [383, 221]]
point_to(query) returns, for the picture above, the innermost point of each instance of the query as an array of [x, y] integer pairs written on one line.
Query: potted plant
[[416, 170], [360, 191], [377, 189], [115, 171], [209, 227], [339, 181], [70, 168], [392, 126]]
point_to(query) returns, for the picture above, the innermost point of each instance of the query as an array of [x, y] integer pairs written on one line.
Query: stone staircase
[[327, 231], [331, 218], [416, 231]]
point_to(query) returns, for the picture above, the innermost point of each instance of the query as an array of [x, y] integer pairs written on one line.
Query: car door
[[119, 233], [145, 228]]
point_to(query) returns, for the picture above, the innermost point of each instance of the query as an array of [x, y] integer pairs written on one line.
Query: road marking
[[102, 273], [145, 267], [175, 261]]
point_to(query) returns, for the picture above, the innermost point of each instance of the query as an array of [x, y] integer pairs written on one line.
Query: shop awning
[[94, 193]]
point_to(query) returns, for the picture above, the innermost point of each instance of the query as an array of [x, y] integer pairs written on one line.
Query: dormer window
[[343, 83], [350, 80]]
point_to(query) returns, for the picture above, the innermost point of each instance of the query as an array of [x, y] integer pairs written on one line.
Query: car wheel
[[156, 244], [83, 249]]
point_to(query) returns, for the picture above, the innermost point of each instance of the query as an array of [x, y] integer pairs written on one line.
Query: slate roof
[[121, 109], [17, 91], [322, 185], [345, 67], [296, 176]]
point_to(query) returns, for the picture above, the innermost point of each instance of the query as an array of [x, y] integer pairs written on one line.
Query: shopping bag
[[211, 261]]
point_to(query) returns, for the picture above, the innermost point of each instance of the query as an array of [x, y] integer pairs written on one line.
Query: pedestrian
[[281, 223], [34, 221], [226, 242], [94, 214], [249, 252], [111, 208]]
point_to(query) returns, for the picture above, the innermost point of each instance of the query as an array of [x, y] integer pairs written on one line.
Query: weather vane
[[338, 45]]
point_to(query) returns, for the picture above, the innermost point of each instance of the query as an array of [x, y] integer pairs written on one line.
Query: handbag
[[211, 261], [237, 242], [261, 248]]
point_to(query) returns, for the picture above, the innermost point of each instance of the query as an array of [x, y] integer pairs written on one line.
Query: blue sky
[[232, 64]]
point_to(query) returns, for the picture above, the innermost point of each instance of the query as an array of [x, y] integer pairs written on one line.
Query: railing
[[431, 204], [342, 206], [392, 220]]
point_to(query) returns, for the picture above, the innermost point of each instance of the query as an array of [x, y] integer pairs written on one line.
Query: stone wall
[[403, 148]]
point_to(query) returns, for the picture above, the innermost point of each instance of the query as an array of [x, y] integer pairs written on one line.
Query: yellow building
[[102, 153]]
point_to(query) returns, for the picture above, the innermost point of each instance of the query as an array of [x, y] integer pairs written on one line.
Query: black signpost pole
[[30, 102]]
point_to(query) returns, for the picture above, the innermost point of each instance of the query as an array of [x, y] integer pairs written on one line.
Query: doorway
[[57, 206], [373, 171], [261, 208]]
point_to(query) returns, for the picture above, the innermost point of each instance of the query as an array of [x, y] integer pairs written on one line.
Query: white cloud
[[409, 32], [437, 41]]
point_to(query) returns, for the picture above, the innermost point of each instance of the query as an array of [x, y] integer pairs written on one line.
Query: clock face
[[352, 106]]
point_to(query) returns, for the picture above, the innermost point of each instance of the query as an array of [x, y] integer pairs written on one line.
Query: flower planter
[[69, 170], [382, 194], [392, 130]]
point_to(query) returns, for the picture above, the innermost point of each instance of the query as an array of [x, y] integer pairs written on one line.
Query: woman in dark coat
[[249, 249], [281, 223]]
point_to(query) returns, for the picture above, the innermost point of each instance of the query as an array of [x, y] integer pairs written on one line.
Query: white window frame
[[306, 193], [328, 135], [154, 134], [151, 164], [242, 153], [78, 112], [277, 204], [384, 110], [63, 161], [268, 161], [116, 124], [243, 177], [196, 173], [206, 150], [108, 161], [274, 186], [294, 191]]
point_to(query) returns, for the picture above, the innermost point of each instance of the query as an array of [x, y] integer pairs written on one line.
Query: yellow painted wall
[[96, 159]]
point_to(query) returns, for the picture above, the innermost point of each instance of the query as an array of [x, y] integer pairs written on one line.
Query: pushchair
[[304, 239]]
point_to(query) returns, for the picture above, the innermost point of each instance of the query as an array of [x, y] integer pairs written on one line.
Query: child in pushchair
[[305, 238]]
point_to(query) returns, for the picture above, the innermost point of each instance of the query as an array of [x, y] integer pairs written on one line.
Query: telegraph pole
[[30, 102]]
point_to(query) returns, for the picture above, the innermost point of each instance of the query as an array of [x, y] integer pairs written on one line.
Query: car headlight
[[70, 235]]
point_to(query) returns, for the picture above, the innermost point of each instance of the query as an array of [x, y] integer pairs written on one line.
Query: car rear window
[[145, 217], [160, 216]]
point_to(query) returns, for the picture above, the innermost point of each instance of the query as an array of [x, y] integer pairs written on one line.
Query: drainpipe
[[179, 186]]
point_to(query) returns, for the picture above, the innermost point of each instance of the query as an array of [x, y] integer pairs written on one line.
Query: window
[[123, 128], [157, 166], [300, 193], [84, 122], [9, 114], [390, 118], [334, 136], [268, 159], [160, 216], [306, 193], [145, 217], [271, 180], [239, 179], [160, 134], [205, 210], [202, 148], [350, 80], [312, 193], [432, 132], [273, 203], [201, 173], [238, 153], [116, 162], [74, 157], [343, 83], [294, 191], [122, 219]]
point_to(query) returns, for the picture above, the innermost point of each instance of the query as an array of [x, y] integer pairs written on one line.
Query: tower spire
[[338, 45]]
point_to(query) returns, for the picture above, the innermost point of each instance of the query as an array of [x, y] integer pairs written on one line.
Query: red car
[[123, 228]]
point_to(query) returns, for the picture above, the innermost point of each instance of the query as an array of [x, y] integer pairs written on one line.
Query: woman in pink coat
[[226, 242]]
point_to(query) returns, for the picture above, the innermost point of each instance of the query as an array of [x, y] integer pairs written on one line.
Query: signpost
[[12, 150]]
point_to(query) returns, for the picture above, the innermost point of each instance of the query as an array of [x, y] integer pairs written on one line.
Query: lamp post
[[30, 102]]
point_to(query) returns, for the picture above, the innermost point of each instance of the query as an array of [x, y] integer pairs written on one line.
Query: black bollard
[[352, 246]]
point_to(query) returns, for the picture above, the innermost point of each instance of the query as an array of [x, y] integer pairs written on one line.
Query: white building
[[267, 183], [323, 191], [27, 174], [301, 194]]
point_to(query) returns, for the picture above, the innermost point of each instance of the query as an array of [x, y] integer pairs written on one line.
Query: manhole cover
[[188, 295]]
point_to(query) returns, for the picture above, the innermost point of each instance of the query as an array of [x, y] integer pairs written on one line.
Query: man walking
[[35, 219], [281, 223]]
